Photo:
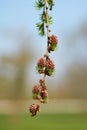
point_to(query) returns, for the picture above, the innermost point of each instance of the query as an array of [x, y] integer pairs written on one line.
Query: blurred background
[[21, 47]]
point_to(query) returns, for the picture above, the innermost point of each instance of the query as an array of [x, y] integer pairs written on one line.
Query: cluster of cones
[[40, 93], [53, 41], [44, 66]]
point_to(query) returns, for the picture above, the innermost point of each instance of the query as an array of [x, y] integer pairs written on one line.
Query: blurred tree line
[[13, 70], [74, 81]]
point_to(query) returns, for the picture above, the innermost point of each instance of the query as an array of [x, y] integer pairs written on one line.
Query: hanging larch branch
[[44, 65]]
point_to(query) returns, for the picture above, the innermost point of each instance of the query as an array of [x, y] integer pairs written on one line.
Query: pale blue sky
[[21, 13], [17, 13], [67, 15]]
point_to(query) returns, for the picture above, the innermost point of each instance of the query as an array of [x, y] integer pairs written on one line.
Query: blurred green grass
[[44, 122]]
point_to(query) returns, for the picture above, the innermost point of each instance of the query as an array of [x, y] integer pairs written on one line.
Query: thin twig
[[48, 35]]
